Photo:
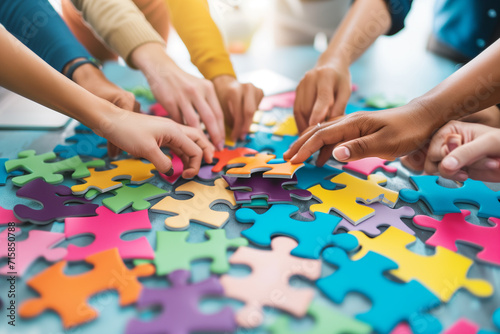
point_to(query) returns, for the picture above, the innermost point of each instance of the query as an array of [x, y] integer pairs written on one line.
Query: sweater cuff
[[398, 9], [215, 67]]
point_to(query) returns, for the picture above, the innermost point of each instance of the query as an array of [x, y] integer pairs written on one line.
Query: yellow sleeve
[[192, 21]]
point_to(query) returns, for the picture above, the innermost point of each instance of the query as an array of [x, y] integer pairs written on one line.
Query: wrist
[[338, 61], [224, 79], [151, 59], [428, 112]]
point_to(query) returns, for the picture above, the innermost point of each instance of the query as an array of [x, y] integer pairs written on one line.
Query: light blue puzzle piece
[[310, 175], [262, 141]]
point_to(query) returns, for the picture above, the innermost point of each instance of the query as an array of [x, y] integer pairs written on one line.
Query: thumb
[[357, 149], [161, 161], [466, 154]]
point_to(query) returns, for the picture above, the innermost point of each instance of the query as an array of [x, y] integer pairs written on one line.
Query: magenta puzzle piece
[[283, 100], [7, 216], [108, 227], [178, 167], [158, 110], [179, 304], [368, 166], [53, 199]]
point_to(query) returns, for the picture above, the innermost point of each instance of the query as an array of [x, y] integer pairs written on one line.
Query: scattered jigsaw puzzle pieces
[[3, 173], [7, 216], [326, 321], [178, 168], [441, 200], [449, 269], [273, 190], [158, 110], [107, 228], [283, 100], [384, 216], [38, 166], [310, 175], [227, 155], [38, 244], [173, 252], [312, 236], [83, 144], [268, 284], [136, 196], [368, 166], [366, 276], [53, 199], [454, 228], [197, 208], [179, 308], [67, 295], [262, 163], [287, 128], [262, 141], [345, 201]]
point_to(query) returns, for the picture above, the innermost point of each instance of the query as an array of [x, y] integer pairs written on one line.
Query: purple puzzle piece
[[384, 215], [180, 314], [53, 199], [206, 173], [269, 188]]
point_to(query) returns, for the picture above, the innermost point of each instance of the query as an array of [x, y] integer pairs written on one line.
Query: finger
[[161, 161], [324, 155], [324, 101], [191, 154], [343, 95], [201, 140], [113, 150], [292, 151], [137, 107], [465, 155], [300, 118], [209, 118], [213, 102], [416, 159], [235, 106], [363, 147], [250, 103], [304, 102]]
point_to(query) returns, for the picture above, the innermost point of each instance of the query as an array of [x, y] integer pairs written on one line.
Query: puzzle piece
[[310, 175], [326, 320], [158, 110], [384, 216], [441, 200], [130, 169], [312, 236], [199, 207], [107, 228], [366, 276], [449, 269], [144, 92], [271, 189], [3, 173], [268, 284], [136, 196], [227, 155], [84, 144], [287, 128], [344, 201], [380, 101], [462, 326], [453, 227], [7, 216], [262, 162], [178, 168], [206, 173], [368, 166], [283, 100], [38, 244], [38, 166], [262, 141], [179, 305], [173, 252], [257, 203], [53, 199], [67, 295]]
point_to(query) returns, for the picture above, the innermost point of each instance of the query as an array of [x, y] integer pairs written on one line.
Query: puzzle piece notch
[[3, 172], [136, 196], [262, 163], [53, 199], [7, 216], [368, 166], [107, 228], [197, 208], [180, 314], [262, 141], [227, 155], [345, 201], [38, 244], [268, 283], [441, 200], [83, 144], [449, 269], [67, 295], [454, 227], [312, 236], [311, 175], [386, 296]]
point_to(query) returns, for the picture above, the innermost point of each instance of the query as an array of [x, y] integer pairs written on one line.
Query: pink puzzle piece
[[402, 328], [108, 227], [7, 216], [283, 100], [462, 326], [178, 168], [38, 244], [369, 165], [455, 228], [158, 110]]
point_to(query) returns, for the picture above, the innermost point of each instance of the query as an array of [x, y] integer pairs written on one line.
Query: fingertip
[[450, 163], [341, 153]]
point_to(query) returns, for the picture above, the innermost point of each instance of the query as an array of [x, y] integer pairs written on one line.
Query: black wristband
[[73, 67]]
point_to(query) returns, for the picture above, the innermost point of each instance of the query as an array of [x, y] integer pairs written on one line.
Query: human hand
[[239, 102], [322, 94]]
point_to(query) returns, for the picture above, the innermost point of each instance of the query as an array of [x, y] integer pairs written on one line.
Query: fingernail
[[450, 163], [293, 158], [492, 164], [170, 172], [341, 153], [220, 147], [462, 176]]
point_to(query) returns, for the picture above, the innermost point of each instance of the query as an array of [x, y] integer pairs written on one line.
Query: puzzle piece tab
[[3, 173], [136, 196], [262, 141], [462, 326], [107, 228], [227, 155], [7, 216], [262, 163], [344, 201], [449, 269], [197, 208], [268, 284], [310, 175], [83, 144], [67, 295], [178, 168], [368, 166], [179, 308], [312, 236]]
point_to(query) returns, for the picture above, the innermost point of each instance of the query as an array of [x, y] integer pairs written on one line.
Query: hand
[[239, 102], [460, 150], [386, 134], [322, 94]]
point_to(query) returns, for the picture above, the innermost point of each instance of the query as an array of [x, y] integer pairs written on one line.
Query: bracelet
[[73, 67]]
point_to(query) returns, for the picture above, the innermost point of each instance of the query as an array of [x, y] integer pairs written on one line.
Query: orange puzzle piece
[[227, 155], [67, 295], [260, 163]]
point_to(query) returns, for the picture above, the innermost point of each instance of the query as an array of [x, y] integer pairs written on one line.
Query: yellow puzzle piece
[[287, 128], [260, 163], [344, 201], [442, 273], [197, 208]]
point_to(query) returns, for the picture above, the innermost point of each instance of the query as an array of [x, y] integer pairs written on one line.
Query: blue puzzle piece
[[83, 129], [262, 141], [310, 175], [3, 173], [392, 302], [496, 322], [312, 236], [442, 200], [84, 144]]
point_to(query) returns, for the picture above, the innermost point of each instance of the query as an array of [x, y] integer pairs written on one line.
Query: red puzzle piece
[[227, 155]]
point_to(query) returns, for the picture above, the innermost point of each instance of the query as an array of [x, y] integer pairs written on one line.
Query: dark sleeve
[[398, 10], [37, 25]]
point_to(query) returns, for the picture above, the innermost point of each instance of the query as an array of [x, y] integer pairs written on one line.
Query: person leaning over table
[[141, 135], [137, 30]]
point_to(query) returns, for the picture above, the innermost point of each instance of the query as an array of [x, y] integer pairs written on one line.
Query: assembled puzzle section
[[227, 155]]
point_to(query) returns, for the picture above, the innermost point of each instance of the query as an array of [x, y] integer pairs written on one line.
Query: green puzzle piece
[[173, 252], [138, 197], [326, 321], [38, 167]]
